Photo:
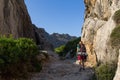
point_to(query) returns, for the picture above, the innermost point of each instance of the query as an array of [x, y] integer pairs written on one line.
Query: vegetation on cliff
[[59, 39], [116, 16], [105, 71], [70, 46], [115, 35]]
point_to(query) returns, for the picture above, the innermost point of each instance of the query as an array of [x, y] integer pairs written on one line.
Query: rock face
[[14, 19], [97, 29], [41, 40]]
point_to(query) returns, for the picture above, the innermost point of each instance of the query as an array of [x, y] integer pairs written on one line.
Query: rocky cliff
[[41, 38], [14, 19], [97, 28]]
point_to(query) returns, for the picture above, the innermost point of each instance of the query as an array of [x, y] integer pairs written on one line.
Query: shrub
[[115, 37], [105, 72], [59, 50], [71, 45], [116, 16], [17, 57]]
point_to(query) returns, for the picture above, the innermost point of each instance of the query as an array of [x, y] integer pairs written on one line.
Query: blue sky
[[59, 16]]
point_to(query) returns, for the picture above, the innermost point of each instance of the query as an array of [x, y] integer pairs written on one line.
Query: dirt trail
[[62, 70]]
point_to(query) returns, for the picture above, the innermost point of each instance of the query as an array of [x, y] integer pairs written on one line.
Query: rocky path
[[63, 70]]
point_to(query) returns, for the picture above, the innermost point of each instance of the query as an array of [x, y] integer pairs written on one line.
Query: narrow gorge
[[100, 34]]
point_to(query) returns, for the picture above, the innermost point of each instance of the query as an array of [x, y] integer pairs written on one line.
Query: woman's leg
[[83, 66], [80, 65]]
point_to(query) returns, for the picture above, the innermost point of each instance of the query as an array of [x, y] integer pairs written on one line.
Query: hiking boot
[[83, 68], [80, 69]]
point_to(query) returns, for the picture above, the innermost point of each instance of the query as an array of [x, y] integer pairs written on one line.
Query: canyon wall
[[96, 32], [15, 20], [97, 28]]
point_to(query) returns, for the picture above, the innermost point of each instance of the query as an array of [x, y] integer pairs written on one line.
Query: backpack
[[83, 48]]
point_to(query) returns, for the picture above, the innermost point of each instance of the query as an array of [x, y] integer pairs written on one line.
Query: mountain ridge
[[57, 39]]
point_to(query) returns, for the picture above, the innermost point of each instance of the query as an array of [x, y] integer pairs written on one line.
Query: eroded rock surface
[[97, 28], [14, 19]]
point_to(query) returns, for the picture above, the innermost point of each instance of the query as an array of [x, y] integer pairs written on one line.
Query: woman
[[81, 54]]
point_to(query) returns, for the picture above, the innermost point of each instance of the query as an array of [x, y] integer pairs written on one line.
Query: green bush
[[71, 45], [17, 57], [115, 37], [105, 72], [59, 50], [116, 16]]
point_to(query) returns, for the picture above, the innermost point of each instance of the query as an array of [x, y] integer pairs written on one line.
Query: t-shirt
[[81, 48]]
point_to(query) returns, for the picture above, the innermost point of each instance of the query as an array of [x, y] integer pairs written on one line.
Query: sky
[[57, 16]]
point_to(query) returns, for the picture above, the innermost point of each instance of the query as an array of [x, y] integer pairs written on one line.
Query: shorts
[[82, 57], [79, 57]]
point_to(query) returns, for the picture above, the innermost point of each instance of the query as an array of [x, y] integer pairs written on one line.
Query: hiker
[[81, 54]]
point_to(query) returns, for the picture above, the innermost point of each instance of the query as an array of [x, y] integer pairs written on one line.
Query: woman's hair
[[81, 42]]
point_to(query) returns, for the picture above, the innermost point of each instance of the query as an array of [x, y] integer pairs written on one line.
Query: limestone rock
[[117, 76], [14, 19], [97, 29]]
